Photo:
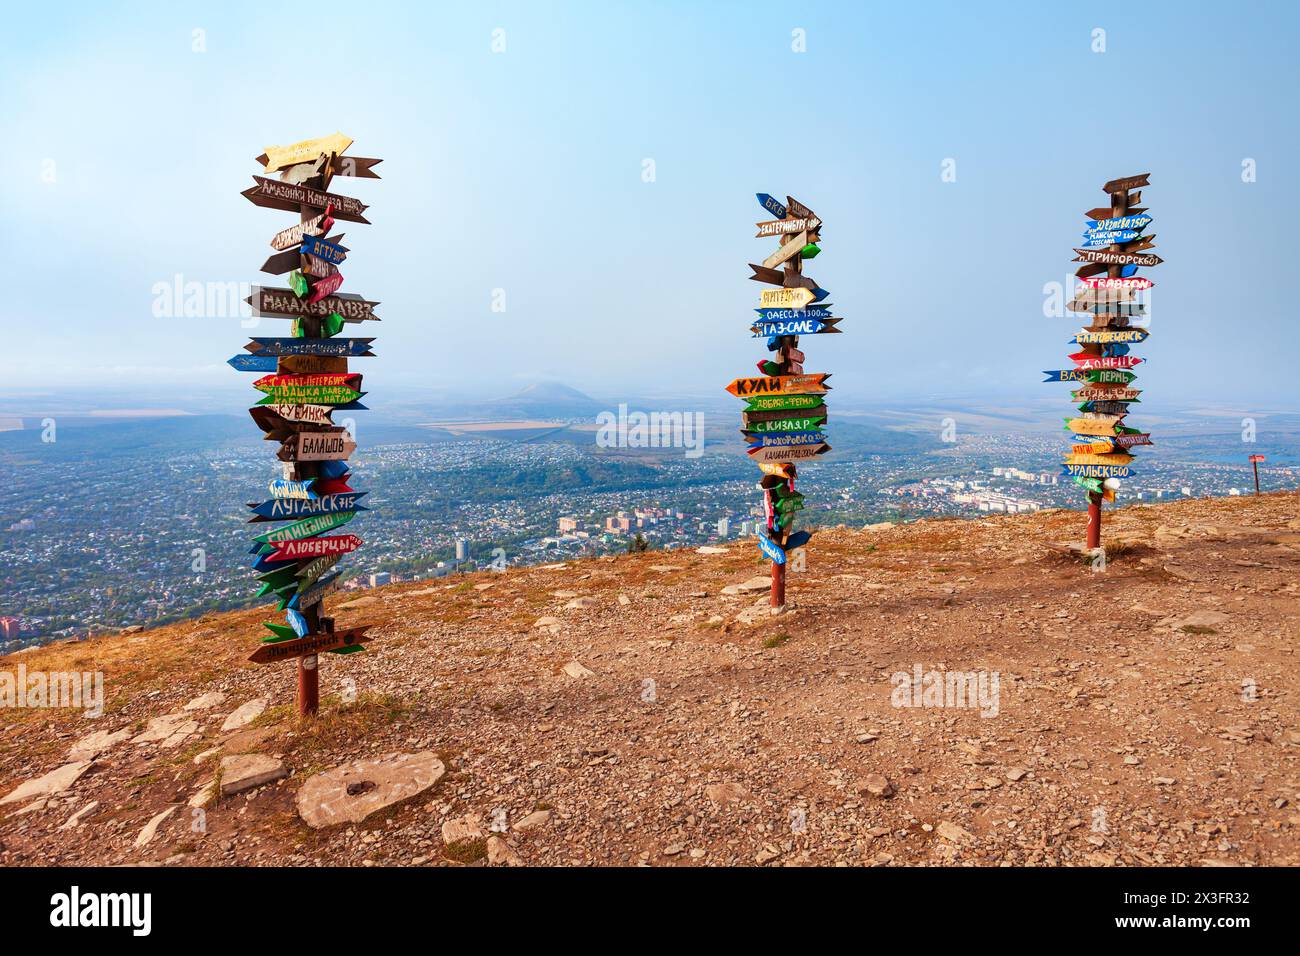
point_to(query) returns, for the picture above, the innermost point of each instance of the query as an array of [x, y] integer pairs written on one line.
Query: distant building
[[724, 526], [380, 578], [462, 549], [10, 628], [567, 524]]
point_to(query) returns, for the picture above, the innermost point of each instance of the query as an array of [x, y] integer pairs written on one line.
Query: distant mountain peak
[[546, 399], [549, 391]]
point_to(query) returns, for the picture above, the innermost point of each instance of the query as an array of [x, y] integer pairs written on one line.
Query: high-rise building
[[724, 526], [380, 578], [462, 549]]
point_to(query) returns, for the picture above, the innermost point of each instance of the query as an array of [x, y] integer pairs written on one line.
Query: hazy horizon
[[524, 171]]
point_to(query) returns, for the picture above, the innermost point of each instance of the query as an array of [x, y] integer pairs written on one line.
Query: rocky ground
[[647, 710]]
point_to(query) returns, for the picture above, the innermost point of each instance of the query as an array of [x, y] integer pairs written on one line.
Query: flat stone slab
[[245, 771], [752, 586], [169, 730], [150, 830], [56, 781], [576, 670], [245, 714], [350, 793], [92, 745], [206, 701]]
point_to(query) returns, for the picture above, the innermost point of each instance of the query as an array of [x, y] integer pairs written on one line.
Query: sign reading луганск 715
[[284, 509]]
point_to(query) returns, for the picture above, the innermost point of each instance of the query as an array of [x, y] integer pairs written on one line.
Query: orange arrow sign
[[780, 384]]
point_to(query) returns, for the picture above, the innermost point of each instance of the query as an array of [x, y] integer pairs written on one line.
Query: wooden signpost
[[1254, 461], [1114, 248], [785, 410], [308, 379]]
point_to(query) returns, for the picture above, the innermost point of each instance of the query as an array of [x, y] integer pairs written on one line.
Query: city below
[[131, 523]]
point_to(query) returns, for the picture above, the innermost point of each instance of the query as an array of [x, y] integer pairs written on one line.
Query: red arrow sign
[[1086, 361], [314, 547]]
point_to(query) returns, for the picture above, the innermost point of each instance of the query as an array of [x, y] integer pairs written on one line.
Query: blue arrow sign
[[786, 315], [771, 205], [773, 439], [1099, 240], [292, 346], [244, 362], [333, 469], [791, 327], [797, 540], [1119, 222], [282, 509], [284, 488], [265, 565], [1065, 375], [323, 249], [297, 622], [770, 549], [819, 294]]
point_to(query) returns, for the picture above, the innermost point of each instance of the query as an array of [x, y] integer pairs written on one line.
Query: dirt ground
[[629, 712]]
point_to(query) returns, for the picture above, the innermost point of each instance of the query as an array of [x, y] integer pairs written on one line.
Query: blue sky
[[523, 171]]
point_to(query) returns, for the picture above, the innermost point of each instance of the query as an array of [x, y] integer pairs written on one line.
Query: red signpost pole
[[308, 686], [1094, 520], [778, 585]]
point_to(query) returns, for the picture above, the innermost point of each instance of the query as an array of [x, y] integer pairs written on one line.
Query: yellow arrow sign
[[784, 298], [1093, 426], [787, 251], [278, 157]]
